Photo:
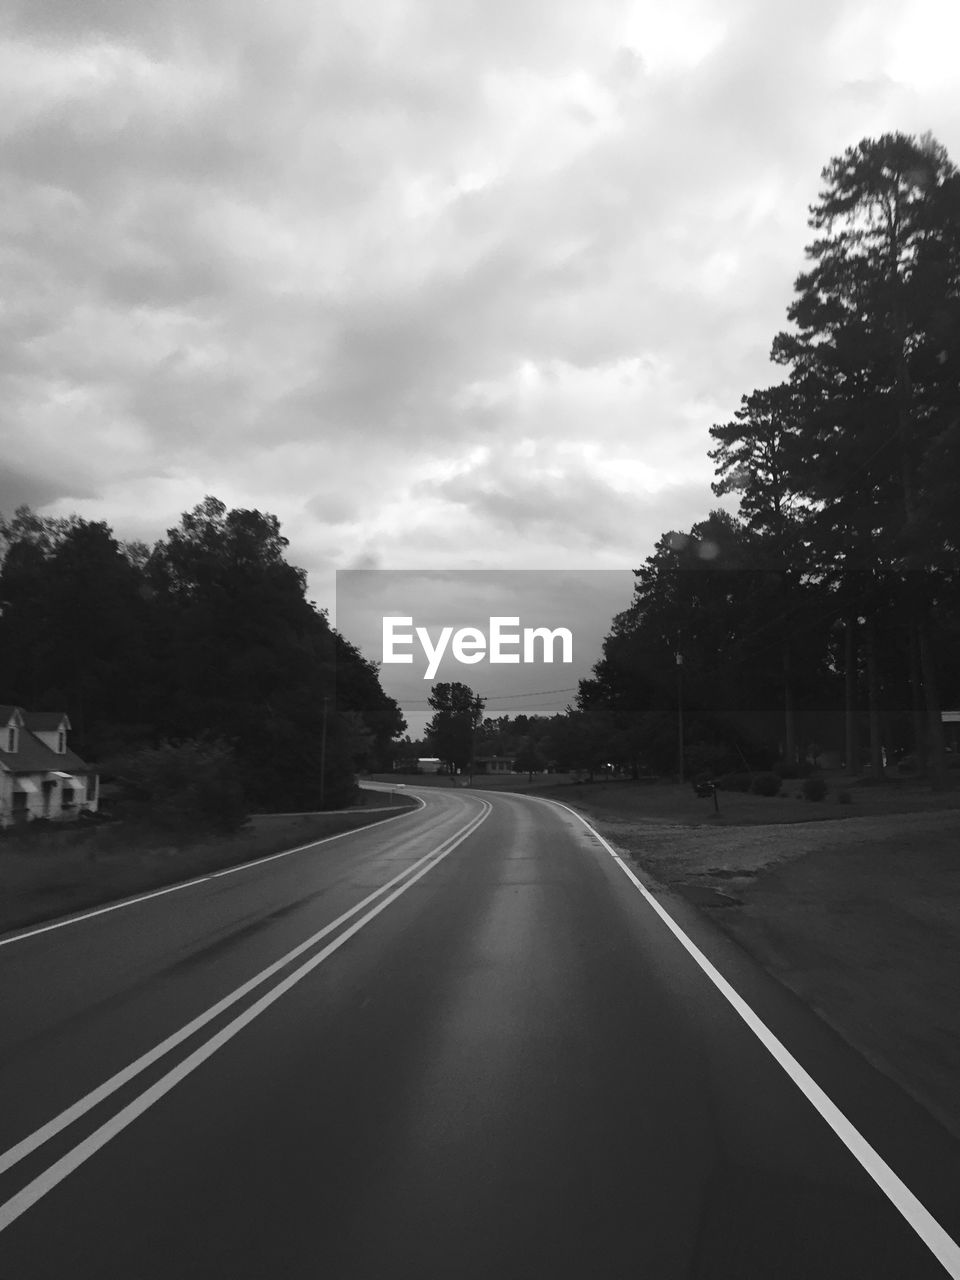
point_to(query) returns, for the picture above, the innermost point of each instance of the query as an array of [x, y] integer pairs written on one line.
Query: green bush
[[182, 787], [844, 797], [814, 788], [766, 784]]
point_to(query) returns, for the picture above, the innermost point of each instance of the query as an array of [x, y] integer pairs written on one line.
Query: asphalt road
[[505, 1063]]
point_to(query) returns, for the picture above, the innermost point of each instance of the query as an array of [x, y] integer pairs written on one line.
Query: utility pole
[[680, 717], [476, 710], [323, 752]]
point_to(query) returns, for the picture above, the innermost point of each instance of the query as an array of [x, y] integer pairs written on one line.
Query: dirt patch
[[860, 917]]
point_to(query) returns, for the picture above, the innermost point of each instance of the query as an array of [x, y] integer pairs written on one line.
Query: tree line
[[462, 738], [828, 608], [207, 638]]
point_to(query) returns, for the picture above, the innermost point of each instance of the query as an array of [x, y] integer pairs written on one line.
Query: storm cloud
[[459, 285]]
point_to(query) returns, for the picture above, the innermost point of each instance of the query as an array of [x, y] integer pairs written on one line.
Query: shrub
[[734, 781], [814, 788], [765, 784], [844, 797], [183, 787]]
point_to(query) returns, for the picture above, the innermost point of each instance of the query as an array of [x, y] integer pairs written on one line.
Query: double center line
[[60, 1169]]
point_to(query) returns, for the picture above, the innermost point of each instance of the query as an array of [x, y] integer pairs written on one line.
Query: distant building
[[493, 764], [40, 777], [951, 729], [418, 764]]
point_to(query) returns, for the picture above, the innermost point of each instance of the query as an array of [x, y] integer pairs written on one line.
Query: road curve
[[461, 1043]]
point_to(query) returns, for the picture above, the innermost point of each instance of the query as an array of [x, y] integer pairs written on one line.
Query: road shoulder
[[858, 917]]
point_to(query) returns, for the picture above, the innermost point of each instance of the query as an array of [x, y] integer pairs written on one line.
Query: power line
[[493, 697]]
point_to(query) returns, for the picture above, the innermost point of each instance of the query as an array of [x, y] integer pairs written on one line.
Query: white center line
[[36, 1139]]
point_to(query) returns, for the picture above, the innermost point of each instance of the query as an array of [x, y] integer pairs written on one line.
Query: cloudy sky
[[442, 285]]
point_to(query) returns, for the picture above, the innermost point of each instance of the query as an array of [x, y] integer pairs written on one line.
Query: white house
[[40, 777]]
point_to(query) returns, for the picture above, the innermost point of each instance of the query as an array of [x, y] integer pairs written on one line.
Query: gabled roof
[[46, 721], [32, 754]]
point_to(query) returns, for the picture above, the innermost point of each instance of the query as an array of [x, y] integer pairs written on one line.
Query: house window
[[62, 742], [68, 798], [11, 739]]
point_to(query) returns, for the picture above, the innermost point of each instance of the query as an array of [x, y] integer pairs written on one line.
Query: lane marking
[[941, 1245], [13, 1155], [202, 879], [62, 1168]]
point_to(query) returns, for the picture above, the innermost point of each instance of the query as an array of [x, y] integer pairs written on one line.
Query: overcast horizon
[[441, 287], [540, 682]]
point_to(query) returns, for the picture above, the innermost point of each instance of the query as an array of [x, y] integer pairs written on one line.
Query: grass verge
[[47, 875]]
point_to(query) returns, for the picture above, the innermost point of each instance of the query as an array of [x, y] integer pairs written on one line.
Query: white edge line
[[13, 1155], [63, 1167], [201, 879], [940, 1244]]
